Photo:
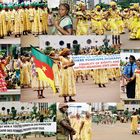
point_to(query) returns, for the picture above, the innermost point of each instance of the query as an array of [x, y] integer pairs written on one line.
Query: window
[[61, 43]]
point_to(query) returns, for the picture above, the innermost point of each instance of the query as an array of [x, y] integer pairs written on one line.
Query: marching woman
[[85, 128], [56, 71], [100, 75], [68, 88], [76, 121], [64, 25], [83, 20], [134, 123], [37, 84], [116, 23], [137, 77], [135, 22], [98, 22], [25, 73], [3, 63]]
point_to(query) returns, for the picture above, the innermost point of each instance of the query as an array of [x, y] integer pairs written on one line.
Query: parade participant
[[76, 121], [116, 23], [100, 75], [27, 22], [64, 129], [97, 21], [68, 81], [25, 73], [128, 73], [56, 71], [1, 22], [45, 19], [64, 25], [86, 128], [137, 77], [134, 123], [82, 26], [37, 20], [135, 22], [18, 21], [67, 74], [37, 85]]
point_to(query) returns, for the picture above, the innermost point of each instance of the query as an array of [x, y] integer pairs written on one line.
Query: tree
[[53, 109]]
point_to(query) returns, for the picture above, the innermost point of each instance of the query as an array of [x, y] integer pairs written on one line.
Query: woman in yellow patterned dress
[[116, 23], [100, 75], [1, 22], [67, 75], [25, 73], [97, 21], [137, 76], [135, 22], [76, 125], [56, 71], [37, 20], [82, 26], [37, 85], [45, 19], [86, 128], [134, 123]]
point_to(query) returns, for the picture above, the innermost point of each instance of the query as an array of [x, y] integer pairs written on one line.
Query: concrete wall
[[82, 40]]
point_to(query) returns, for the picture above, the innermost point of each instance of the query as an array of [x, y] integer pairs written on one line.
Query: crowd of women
[[22, 19], [131, 77], [98, 20], [64, 75], [9, 73]]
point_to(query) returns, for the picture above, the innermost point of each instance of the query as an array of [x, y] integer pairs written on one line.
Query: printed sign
[[23, 128], [89, 62]]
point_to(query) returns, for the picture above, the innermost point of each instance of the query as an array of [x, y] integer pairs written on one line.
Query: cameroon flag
[[43, 65]]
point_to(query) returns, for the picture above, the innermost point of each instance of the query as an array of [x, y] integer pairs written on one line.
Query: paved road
[[117, 131], [86, 92], [129, 44]]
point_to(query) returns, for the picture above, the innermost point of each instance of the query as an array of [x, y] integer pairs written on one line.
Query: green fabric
[[40, 56]]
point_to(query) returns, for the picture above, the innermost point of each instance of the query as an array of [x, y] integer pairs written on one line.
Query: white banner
[[23, 128], [88, 62]]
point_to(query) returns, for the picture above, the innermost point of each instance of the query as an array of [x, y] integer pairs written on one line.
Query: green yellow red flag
[[43, 65]]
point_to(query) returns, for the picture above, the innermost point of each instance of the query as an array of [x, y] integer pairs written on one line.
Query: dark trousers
[[130, 89]]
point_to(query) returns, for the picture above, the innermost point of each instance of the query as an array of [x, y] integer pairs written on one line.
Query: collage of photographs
[[69, 69]]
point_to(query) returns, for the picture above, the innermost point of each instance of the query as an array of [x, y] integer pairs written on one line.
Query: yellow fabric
[[100, 76], [134, 123], [68, 80], [137, 74], [42, 77], [25, 74], [86, 133], [76, 126]]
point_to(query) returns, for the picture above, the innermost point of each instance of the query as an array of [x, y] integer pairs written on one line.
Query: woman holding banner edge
[[68, 88]]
